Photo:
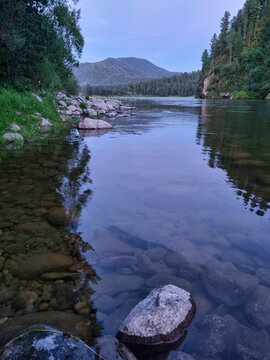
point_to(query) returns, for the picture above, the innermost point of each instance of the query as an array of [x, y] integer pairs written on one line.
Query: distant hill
[[116, 71]]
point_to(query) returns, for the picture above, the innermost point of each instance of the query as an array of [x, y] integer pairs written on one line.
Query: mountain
[[238, 63], [116, 71]]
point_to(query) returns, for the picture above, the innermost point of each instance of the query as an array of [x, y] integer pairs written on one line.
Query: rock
[[264, 276], [227, 285], [163, 279], [179, 355], [7, 293], [82, 308], [158, 320], [105, 303], [51, 344], [37, 97], [45, 123], [112, 284], [91, 112], [225, 95], [118, 261], [258, 309], [24, 298], [109, 348], [58, 276], [15, 127], [3, 320], [39, 228], [2, 262], [37, 265], [62, 103], [89, 124], [71, 108], [57, 216], [76, 324], [11, 137], [156, 254]]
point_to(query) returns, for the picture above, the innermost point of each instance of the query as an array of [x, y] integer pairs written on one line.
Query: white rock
[[15, 127], [45, 123], [62, 103], [89, 124], [37, 97], [91, 112], [71, 108], [13, 137], [158, 319]]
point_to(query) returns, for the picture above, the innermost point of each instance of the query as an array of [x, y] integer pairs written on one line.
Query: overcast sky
[[170, 33]]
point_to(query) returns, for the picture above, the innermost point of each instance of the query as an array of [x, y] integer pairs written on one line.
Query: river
[[179, 194]]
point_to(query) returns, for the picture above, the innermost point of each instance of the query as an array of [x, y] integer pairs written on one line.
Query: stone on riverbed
[[158, 321], [92, 124], [37, 265], [57, 216]]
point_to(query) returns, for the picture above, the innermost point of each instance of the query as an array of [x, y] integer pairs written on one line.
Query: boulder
[[92, 124], [227, 285], [258, 309], [71, 108], [44, 342], [91, 112], [11, 137], [37, 265], [109, 348], [157, 322], [57, 216]]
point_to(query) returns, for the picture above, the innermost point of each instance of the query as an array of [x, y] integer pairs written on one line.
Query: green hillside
[[238, 63]]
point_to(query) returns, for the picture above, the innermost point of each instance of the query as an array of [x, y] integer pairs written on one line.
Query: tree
[[224, 33], [40, 40]]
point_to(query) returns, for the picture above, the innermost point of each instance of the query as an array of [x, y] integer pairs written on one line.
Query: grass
[[19, 108]]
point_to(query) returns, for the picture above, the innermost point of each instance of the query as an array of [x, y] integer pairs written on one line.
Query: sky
[[170, 33]]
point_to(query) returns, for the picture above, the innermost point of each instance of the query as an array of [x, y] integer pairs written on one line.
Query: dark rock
[[258, 308], [37, 265], [109, 348], [227, 285], [159, 320], [24, 298], [57, 216]]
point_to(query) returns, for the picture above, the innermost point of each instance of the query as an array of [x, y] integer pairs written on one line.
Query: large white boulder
[[13, 137], [159, 319], [92, 124]]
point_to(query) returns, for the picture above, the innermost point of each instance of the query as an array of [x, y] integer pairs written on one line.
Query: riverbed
[[179, 194]]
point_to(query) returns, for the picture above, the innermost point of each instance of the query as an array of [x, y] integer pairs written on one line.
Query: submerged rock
[[227, 285], [258, 309], [57, 216], [89, 124], [109, 348], [158, 321], [37, 265], [47, 343]]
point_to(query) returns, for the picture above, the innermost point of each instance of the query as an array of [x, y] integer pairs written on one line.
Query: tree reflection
[[239, 143]]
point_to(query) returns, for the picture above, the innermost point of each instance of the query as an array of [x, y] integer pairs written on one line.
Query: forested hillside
[[40, 41], [184, 84], [238, 63], [116, 71]]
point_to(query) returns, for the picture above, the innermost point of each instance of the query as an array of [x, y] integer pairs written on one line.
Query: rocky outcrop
[[204, 88], [93, 124], [158, 321]]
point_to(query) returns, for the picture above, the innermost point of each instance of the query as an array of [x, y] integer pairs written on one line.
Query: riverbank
[[28, 117]]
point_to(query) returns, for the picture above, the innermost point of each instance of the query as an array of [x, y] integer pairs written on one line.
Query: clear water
[[179, 194]]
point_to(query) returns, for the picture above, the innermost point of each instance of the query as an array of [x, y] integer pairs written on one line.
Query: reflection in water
[[239, 143], [44, 279]]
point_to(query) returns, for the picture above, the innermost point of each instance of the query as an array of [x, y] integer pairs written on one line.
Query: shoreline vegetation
[[238, 62]]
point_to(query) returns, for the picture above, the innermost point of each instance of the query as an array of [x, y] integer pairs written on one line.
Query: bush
[[83, 105]]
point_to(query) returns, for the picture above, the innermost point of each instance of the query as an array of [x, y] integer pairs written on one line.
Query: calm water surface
[[179, 194]]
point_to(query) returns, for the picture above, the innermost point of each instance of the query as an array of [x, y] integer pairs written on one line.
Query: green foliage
[[243, 95], [83, 105], [178, 85], [240, 55], [212, 95], [21, 108], [39, 43]]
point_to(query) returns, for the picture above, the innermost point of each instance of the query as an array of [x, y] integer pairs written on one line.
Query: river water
[[179, 194]]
